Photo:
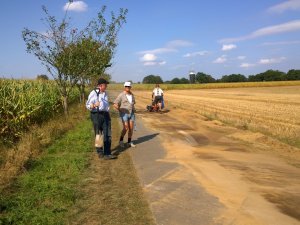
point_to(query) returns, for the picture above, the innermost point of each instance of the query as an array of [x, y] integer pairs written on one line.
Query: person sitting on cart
[[157, 93]]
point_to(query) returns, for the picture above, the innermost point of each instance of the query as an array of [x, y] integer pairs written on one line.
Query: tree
[[233, 78], [88, 59], [61, 46], [271, 75], [175, 80], [293, 75], [204, 78], [184, 81], [152, 79], [42, 77]]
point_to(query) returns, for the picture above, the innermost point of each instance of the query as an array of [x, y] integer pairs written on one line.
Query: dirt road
[[255, 178]]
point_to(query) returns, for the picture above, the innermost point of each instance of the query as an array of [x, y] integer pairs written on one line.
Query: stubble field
[[240, 144]]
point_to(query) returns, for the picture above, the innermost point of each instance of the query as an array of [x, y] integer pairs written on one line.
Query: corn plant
[[23, 103]]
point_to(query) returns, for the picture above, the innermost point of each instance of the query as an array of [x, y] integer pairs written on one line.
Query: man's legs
[[106, 126], [97, 130]]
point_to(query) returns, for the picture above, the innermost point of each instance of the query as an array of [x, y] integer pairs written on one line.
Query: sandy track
[[255, 177]]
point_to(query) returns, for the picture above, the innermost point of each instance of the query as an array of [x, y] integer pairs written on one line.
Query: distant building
[[192, 77]]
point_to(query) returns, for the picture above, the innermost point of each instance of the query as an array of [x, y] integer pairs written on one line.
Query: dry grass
[[207, 86], [110, 192], [274, 111]]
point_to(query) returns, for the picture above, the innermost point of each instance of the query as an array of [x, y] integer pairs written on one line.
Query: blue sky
[[169, 38]]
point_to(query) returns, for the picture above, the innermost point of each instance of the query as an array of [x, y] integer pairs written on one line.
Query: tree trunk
[[65, 105]]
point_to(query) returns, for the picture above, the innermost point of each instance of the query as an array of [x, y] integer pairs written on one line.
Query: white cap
[[127, 84]]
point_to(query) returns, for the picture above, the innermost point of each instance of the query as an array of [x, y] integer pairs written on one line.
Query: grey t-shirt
[[124, 104]]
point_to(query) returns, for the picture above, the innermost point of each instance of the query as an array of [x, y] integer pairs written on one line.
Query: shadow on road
[[146, 138]]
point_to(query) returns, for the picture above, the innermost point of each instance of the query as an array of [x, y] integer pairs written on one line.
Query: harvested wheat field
[[240, 144]]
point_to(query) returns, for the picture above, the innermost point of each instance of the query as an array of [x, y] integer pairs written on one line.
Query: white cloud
[[241, 57], [276, 29], [159, 51], [228, 47], [78, 6], [193, 54], [221, 59], [272, 60], [246, 65], [151, 60], [171, 46], [285, 6], [281, 43], [148, 57]]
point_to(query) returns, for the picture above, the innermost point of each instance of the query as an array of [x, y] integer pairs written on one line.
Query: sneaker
[[130, 144], [107, 157], [99, 152], [121, 143]]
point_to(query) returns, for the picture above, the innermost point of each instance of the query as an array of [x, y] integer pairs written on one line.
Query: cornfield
[[25, 102]]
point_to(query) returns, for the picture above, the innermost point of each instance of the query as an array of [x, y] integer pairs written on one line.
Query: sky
[[168, 38]]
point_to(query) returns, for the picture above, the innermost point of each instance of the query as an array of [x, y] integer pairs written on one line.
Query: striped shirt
[[95, 96]]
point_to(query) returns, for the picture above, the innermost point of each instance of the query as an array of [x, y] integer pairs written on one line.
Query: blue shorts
[[127, 117]]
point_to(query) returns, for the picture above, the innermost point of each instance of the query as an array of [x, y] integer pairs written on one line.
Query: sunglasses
[[128, 86]]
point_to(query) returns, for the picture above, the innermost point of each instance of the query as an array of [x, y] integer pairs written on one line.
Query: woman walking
[[124, 103]]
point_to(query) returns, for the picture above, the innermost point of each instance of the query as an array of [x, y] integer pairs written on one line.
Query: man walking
[[98, 105]]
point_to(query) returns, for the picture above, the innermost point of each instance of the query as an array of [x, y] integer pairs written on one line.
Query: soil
[[255, 177]]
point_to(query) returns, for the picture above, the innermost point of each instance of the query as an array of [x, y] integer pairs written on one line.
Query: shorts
[[127, 117], [157, 99]]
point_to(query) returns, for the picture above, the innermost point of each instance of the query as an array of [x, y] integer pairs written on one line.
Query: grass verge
[[45, 192], [68, 184]]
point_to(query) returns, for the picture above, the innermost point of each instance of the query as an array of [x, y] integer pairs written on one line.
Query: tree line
[[200, 77]]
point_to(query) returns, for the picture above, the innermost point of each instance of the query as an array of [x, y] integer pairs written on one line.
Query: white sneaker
[[130, 144], [121, 143]]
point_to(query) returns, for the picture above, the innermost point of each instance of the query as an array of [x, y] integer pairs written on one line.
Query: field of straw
[[274, 111]]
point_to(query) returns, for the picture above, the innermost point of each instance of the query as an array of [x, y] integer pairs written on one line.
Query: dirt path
[[255, 178]]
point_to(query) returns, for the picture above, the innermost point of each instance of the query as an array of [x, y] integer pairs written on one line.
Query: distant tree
[[255, 78], [184, 81], [204, 78], [152, 79], [175, 80], [42, 77], [233, 78], [272, 75], [293, 75]]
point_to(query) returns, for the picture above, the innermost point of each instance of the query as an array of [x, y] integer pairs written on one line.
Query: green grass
[[68, 184], [110, 191], [44, 193]]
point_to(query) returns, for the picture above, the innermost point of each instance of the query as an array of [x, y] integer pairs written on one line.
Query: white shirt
[[102, 98], [129, 98], [157, 91]]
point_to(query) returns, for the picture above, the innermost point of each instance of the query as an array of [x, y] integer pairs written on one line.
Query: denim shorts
[[126, 117]]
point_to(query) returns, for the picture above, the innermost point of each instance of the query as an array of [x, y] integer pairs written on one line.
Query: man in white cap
[[124, 103]]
